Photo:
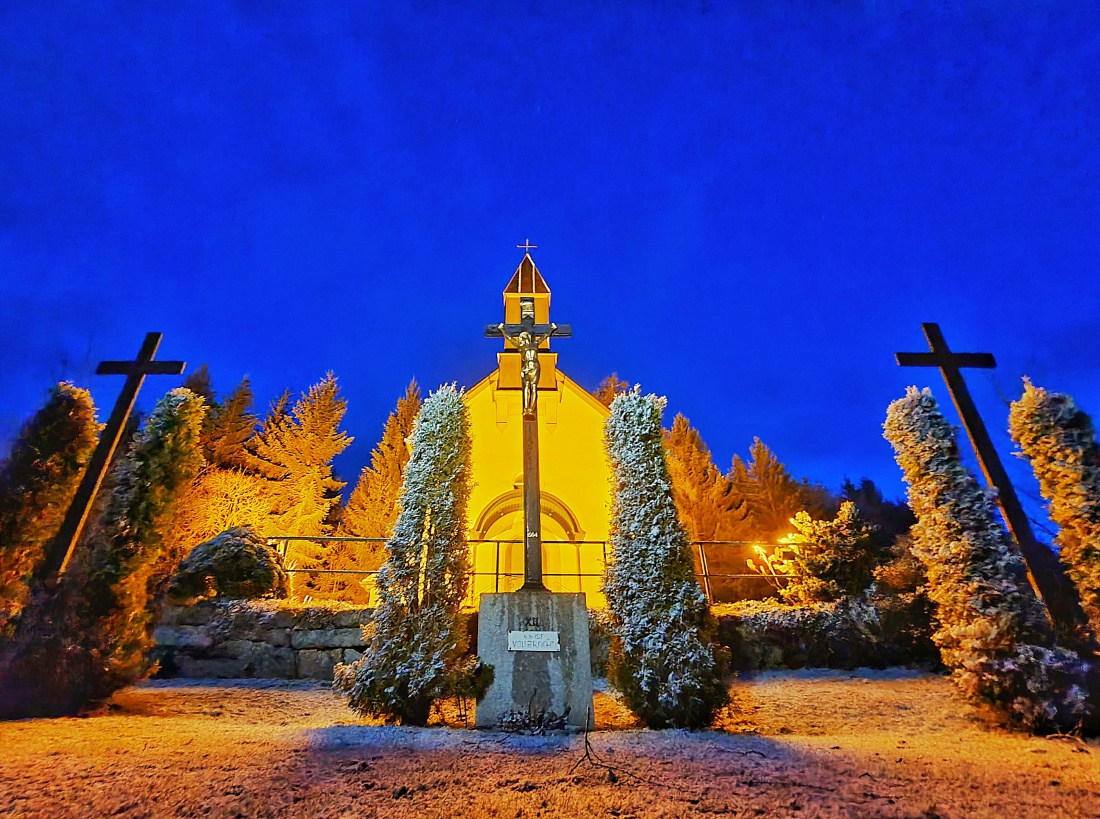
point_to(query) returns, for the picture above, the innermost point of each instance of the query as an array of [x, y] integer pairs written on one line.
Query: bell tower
[[526, 294]]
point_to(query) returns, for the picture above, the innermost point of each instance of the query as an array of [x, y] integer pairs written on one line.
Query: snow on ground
[[808, 743]]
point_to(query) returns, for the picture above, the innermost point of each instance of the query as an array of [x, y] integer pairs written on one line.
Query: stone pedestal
[[556, 680]]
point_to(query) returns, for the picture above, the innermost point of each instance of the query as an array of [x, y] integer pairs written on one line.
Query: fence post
[[706, 572], [496, 572]]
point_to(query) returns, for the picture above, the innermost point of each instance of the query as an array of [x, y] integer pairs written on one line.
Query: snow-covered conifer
[[993, 632], [416, 641], [92, 635], [37, 483], [662, 657], [1059, 440], [134, 555], [829, 559]]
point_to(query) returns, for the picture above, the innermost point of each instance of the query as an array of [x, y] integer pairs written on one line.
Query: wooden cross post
[[61, 548], [1045, 572], [526, 338]]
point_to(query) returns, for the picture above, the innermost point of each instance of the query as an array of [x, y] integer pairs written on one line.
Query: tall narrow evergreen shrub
[[993, 632], [1059, 441], [416, 641], [37, 484], [135, 555], [91, 637], [662, 653]]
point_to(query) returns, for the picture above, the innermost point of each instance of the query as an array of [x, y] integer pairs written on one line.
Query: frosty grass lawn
[[810, 743]]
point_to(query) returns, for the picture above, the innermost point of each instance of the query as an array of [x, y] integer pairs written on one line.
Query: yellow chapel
[[575, 478]]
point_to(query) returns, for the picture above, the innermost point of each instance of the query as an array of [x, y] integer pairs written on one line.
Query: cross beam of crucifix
[[527, 246], [61, 547], [1046, 574]]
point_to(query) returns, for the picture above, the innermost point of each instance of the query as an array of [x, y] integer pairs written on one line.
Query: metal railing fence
[[497, 566]]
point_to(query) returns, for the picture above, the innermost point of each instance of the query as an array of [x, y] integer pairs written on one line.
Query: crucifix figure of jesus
[[526, 337], [530, 370]]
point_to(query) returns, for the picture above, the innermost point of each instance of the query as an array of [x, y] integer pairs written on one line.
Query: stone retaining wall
[[269, 639], [258, 638]]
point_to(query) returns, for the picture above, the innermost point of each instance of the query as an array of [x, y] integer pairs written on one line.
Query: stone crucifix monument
[[536, 640]]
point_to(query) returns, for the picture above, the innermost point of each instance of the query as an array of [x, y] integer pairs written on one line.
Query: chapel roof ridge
[[527, 279]]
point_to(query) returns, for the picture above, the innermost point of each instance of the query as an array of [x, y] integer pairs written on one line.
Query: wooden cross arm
[[140, 368], [983, 361], [559, 330]]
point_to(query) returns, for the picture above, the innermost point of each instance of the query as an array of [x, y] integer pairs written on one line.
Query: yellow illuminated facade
[[575, 479]]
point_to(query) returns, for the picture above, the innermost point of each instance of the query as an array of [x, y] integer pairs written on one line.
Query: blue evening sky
[[747, 207]]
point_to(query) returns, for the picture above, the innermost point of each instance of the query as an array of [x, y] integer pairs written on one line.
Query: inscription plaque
[[533, 641]]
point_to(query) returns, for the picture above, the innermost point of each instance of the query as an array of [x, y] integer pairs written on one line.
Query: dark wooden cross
[[1047, 576], [61, 547], [526, 337]]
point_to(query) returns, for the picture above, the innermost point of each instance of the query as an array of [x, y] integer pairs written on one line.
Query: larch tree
[[993, 632], [1059, 441], [608, 388], [229, 426], [295, 449], [708, 506], [372, 508], [37, 483], [663, 657], [371, 511], [229, 491], [417, 643]]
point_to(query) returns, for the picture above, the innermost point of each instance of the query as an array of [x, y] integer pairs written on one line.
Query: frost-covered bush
[[993, 632], [37, 483], [417, 642], [662, 656], [824, 560], [865, 631], [238, 563], [1059, 440]]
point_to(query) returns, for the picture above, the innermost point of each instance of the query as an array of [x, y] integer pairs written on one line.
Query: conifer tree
[[229, 491], [891, 519], [134, 556], [372, 507], [37, 484], [708, 507], [772, 497], [199, 382], [98, 627], [1059, 440], [229, 426], [416, 641], [993, 632], [297, 450], [829, 559], [662, 656], [610, 387]]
